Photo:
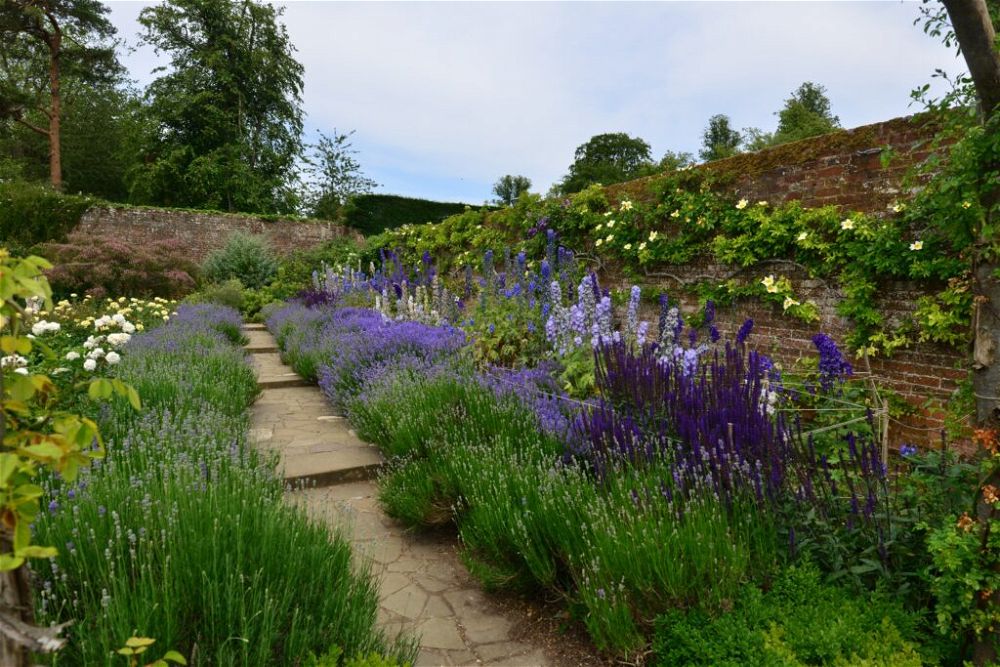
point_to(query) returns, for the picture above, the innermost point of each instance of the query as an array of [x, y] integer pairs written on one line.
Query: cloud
[[446, 97]]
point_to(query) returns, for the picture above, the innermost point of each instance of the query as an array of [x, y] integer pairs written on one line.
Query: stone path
[[425, 590]]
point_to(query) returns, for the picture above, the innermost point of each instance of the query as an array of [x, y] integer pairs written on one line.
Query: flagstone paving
[[425, 590]]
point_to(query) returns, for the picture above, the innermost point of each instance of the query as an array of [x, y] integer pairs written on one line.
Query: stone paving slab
[[315, 444], [424, 587], [425, 591], [259, 341]]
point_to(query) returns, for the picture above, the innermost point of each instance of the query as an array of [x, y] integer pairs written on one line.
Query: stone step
[[282, 381], [339, 470], [261, 348], [254, 326]]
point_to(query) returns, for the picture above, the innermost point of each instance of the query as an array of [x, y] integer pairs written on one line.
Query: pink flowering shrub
[[106, 266]]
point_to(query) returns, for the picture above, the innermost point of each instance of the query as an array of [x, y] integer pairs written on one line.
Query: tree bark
[[55, 147], [973, 28]]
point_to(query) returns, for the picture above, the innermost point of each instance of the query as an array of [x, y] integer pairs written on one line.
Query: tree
[[972, 27], [606, 158], [719, 140], [508, 188], [227, 109], [805, 114], [41, 42], [336, 175], [672, 161]]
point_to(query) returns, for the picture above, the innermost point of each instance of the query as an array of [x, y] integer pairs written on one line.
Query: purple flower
[[833, 368]]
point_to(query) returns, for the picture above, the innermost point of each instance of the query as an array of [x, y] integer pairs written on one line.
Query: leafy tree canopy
[[509, 187], [336, 176], [227, 108], [607, 158], [719, 140]]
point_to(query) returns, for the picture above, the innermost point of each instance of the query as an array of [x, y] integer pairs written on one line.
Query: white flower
[[609, 213], [847, 223], [762, 202], [966, 204], [600, 226], [21, 371], [676, 214], [627, 246], [598, 242], [113, 358], [611, 223], [96, 353], [642, 246], [803, 236], [652, 236], [899, 208], [789, 302], [118, 339], [917, 245], [626, 205], [742, 204], [72, 355], [89, 365], [15, 360], [59, 371], [769, 283], [609, 238]]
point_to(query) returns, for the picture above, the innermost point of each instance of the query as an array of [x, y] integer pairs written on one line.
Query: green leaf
[[100, 389], [174, 656], [15, 345], [10, 562]]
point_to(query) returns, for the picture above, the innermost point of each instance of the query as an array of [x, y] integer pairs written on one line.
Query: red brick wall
[[203, 232], [843, 169]]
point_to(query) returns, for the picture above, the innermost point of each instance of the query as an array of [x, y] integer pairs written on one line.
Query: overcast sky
[[446, 97]]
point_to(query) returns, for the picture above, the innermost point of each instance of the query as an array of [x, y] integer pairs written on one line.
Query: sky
[[446, 97]]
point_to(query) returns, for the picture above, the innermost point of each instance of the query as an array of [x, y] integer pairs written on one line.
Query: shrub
[[183, 533], [31, 214], [229, 293], [104, 266], [801, 621], [373, 213], [245, 257]]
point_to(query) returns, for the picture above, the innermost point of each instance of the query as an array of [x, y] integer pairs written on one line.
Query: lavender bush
[[182, 533]]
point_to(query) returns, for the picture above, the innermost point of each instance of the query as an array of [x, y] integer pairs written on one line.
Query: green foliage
[[189, 536], [719, 140], [228, 293], [246, 258], [373, 214], [606, 158], [946, 316], [800, 621], [227, 109], [336, 176], [805, 114], [509, 187], [32, 214]]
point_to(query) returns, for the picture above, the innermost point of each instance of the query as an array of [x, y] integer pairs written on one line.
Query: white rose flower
[[21, 371], [113, 358], [72, 355], [96, 353], [89, 365], [38, 328], [128, 328]]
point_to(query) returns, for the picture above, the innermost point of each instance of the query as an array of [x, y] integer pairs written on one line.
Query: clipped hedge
[[31, 214], [373, 214]]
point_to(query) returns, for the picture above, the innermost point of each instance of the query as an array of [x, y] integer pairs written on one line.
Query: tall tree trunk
[[973, 28], [55, 112]]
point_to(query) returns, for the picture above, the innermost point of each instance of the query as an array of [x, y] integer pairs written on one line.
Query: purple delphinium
[[833, 368]]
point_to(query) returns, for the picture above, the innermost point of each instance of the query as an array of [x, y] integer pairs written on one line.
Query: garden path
[[424, 588]]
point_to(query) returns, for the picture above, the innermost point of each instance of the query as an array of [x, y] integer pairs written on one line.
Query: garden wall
[[203, 232], [843, 169]]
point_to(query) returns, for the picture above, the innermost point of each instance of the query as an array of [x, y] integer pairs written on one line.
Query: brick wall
[[203, 232], [843, 169]]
